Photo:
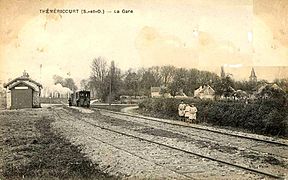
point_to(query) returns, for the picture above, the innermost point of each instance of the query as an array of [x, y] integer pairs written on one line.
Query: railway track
[[274, 142], [268, 151], [129, 135]]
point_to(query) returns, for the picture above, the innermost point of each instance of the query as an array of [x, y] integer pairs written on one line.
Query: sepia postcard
[[146, 89]]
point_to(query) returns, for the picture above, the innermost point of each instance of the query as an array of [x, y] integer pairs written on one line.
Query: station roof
[[22, 79], [29, 84]]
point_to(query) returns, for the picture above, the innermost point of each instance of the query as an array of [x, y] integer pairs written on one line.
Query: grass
[[31, 150]]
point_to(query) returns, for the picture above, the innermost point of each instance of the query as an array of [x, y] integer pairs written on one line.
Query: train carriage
[[80, 98]]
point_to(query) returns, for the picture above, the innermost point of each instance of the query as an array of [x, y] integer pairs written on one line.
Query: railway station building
[[23, 92]]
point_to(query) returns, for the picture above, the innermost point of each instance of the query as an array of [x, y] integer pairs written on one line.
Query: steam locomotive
[[80, 98]]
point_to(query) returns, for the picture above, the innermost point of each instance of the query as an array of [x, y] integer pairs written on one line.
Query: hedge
[[268, 117]]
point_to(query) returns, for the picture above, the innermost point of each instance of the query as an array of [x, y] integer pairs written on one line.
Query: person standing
[[187, 112], [193, 111], [205, 118], [181, 111], [190, 113]]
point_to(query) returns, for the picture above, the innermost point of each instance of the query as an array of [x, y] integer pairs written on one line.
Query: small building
[[240, 95], [161, 91], [23, 92], [263, 91], [155, 92], [204, 92]]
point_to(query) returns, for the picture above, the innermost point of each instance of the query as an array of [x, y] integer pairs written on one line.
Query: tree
[[224, 86], [156, 72], [206, 77], [131, 83], [114, 84], [179, 81], [167, 73], [99, 72], [84, 84], [99, 69], [192, 81], [282, 83], [69, 82], [111, 83], [58, 80], [147, 81], [105, 81], [247, 86], [271, 92]]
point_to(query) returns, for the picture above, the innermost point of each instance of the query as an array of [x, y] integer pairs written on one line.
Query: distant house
[[23, 92], [155, 92], [204, 92], [260, 93], [273, 86], [240, 94], [228, 94]]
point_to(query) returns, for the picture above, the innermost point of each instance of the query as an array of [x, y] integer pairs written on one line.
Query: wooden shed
[[23, 92]]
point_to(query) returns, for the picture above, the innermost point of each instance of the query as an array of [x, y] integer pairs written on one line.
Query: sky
[[202, 34]]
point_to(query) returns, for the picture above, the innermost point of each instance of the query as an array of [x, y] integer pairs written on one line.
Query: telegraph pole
[[110, 84], [110, 89], [40, 73], [40, 79], [112, 75]]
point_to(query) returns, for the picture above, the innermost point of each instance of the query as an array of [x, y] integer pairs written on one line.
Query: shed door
[[21, 98]]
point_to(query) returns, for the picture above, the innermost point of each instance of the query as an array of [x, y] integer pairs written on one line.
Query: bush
[[262, 116]]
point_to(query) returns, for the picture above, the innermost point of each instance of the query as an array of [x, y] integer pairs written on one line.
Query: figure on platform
[[193, 113], [187, 112], [190, 113], [181, 111]]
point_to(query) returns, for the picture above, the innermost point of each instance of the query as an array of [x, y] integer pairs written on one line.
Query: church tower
[[253, 77], [222, 72]]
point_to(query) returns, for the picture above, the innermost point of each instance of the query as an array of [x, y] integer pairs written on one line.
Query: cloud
[[268, 50], [157, 49]]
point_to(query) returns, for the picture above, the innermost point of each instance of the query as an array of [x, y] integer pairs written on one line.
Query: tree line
[[108, 81]]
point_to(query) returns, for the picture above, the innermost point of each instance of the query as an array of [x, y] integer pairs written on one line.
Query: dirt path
[[129, 109]]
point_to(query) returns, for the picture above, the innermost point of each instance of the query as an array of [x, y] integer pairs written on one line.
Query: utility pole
[[40, 78], [110, 88], [110, 83], [40, 73]]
